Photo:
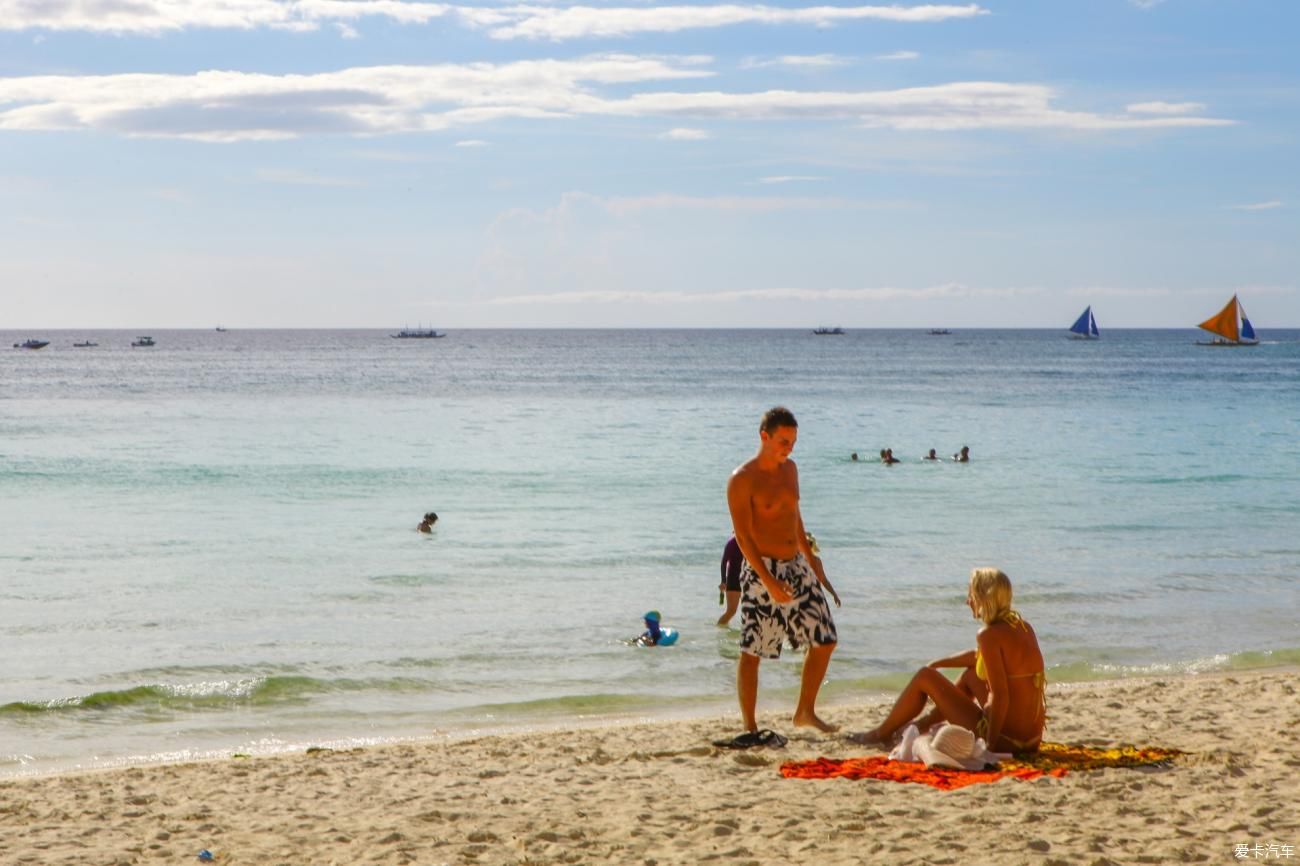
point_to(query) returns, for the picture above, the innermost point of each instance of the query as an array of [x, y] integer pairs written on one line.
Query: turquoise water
[[209, 546]]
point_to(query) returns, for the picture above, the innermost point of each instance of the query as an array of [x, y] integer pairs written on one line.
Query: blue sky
[[374, 163]]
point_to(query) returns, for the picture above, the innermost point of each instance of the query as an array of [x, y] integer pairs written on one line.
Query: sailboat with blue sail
[[1085, 327], [1230, 327]]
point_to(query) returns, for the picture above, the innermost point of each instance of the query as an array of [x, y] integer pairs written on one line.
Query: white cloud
[[160, 16], [898, 55], [1119, 292], [299, 178], [1263, 205], [941, 292], [347, 31], [797, 61], [628, 205], [573, 22], [381, 100], [683, 133], [503, 22], [1165, 107], [472, 142], [960, 105], [1146, 4], [789, 178]]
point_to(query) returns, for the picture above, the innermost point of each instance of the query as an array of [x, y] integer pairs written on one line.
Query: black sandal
[[753, 739]]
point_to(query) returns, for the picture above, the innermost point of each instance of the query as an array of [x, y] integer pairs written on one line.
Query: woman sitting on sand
[[1000, 694]]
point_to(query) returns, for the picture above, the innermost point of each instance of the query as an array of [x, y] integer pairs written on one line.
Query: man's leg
[[814, 671], [747, 689]]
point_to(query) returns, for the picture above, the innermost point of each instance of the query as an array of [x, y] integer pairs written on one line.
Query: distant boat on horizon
[[141, 342], [220, 329], [828, 332], [84, 344], [939, 332], [32, 344], [1085, 327], [417, 334], [1226, 328]]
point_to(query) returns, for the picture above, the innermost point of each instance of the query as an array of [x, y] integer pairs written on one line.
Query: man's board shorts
[[764, 624]]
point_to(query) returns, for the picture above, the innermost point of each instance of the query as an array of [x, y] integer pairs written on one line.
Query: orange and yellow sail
[[1224, 322]]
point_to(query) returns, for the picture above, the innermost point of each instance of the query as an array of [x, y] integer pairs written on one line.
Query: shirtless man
[[782, 595]]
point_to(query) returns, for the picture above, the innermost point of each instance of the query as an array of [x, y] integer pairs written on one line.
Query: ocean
[[209, 546]]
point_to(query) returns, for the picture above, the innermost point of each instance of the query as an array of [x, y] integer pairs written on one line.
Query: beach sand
[[657, 793]]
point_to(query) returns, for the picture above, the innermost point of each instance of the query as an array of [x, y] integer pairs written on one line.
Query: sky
[[637, 163]]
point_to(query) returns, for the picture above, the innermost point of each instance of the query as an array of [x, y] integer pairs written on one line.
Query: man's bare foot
[[813, 721], [867, 738]]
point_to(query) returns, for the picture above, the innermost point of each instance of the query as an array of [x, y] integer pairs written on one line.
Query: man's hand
[[780, 591], [835, 595]]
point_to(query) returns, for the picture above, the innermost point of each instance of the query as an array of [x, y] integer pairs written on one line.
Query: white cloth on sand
[[945, 745]]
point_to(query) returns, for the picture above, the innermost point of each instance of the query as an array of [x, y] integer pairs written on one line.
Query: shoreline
[[657, 791], [445, 728]]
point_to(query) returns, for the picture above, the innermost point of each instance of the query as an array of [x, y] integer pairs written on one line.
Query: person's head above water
[[652, 623], [430, 518]]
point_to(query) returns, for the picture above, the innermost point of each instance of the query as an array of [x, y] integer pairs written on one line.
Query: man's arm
[[742, 521], [805, 547]]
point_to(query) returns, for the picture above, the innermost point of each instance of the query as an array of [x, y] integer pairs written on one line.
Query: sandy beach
[[654, 793]]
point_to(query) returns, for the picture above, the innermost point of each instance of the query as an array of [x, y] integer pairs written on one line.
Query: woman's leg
[[950, 702], [968, 684], [733, 602]]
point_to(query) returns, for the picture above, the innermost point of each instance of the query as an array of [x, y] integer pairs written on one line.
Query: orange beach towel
[[880, 767], [1052, 759]]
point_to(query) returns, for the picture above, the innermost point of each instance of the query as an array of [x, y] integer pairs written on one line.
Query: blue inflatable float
[[655, 634]]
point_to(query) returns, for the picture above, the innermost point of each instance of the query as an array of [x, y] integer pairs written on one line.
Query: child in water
[[654, 634]]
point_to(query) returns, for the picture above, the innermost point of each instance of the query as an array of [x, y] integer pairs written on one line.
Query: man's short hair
[[777, 416]]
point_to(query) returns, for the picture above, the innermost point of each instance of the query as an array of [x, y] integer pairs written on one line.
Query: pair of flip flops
[[753, 739]]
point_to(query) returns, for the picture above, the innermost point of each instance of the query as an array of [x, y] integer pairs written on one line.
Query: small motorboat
[[829, 332], [32, 344], [140, 342], [86, 344], [940, 332]]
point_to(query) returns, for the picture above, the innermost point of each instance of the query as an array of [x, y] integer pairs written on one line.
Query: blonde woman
[[999, 695]]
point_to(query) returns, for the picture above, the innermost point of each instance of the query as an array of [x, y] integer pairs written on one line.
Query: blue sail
[[1092, 323], [1080, 325], [1247, 332]]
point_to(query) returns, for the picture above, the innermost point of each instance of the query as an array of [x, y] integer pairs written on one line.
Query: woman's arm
[[961, 660]]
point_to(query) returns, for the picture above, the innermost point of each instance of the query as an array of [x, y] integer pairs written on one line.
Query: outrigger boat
[[417, 334], [84, 345], [1085, 327], [1227, 329]]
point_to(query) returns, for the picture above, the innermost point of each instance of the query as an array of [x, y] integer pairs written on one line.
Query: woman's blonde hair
[[990, 591]]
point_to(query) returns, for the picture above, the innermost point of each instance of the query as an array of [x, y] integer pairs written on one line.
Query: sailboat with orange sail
[[1230, 327]]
